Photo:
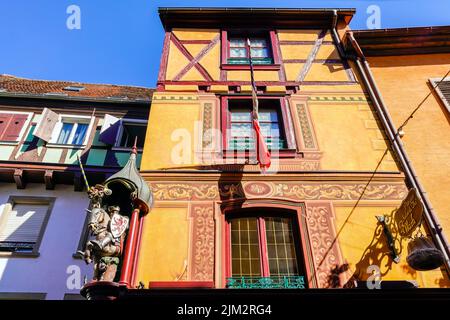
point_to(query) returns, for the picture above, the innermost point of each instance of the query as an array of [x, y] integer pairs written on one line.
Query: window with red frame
[[240, 133], [263, 246], [241, 48]]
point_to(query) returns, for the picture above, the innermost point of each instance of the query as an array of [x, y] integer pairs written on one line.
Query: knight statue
[[107, 226]]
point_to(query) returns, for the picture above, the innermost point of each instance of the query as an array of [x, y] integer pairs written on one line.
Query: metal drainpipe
[[387, 122]]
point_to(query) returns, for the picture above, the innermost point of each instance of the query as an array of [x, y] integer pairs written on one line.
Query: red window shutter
[[14, 127], [4, 122]]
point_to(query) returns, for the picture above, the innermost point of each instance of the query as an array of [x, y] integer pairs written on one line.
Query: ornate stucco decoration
[[296, 191]]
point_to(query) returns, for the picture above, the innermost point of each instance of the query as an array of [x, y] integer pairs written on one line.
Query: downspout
[[391, 131]]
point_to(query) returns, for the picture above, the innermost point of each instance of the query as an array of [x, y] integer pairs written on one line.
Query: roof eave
[[278, 17], [72, 98]]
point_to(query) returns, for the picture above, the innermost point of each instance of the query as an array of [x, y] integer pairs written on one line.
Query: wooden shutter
[[5, 118], [44, 129], [110, 127], [23, 223], [444, 90], [13, 129]]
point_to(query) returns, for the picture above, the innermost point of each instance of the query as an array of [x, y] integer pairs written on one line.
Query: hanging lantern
[[423, 255]]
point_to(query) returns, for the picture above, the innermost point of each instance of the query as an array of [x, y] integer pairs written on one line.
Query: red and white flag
[[262, 152]]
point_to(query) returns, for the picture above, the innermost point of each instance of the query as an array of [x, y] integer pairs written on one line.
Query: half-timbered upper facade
[[309, 221]]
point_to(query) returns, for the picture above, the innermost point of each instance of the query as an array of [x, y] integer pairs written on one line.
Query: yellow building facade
[[216, 218]]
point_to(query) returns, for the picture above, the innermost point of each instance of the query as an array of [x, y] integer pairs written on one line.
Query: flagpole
[[252, 78], [82, 172], [262, 152]]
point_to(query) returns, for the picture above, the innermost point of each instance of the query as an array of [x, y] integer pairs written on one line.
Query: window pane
[[238, 53], [241, 144], [130, 132], [80, 133], [281, 247], [65, 133], [241, 115], [270, 129], [245, 247], [268, 115], [241, 130], [258, 43], [259, 52], [237, 42]]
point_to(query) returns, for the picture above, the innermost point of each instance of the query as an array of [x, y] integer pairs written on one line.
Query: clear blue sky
[[120, 40]]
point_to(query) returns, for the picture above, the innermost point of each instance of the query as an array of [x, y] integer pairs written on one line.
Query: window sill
[[125, 149], [65, 146], [247, 67], [283, 153], [9, 143], [19, 254]]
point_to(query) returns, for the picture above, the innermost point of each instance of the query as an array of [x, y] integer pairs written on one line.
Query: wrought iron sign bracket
[[390, 239]]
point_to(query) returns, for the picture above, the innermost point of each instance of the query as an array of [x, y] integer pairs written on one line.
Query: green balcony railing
[[281, 282]]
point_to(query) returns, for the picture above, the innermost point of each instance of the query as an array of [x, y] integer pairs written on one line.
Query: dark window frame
[[129, 121]]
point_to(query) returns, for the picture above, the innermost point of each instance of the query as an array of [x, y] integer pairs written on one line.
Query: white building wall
[[55, 270]]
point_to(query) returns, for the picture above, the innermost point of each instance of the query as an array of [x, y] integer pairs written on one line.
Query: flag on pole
[[262, 152]]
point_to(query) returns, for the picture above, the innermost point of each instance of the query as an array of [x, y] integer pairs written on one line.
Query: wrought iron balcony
[[281, 282]]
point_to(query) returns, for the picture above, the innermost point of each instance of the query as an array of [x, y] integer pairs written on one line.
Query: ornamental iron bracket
[[390, 239]]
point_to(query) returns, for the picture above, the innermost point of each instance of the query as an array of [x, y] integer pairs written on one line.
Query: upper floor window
[[72, 132], [121, 133], [241, 49], [12, 125], [238, 129], [129, 131], [63, 129], [238, 48]]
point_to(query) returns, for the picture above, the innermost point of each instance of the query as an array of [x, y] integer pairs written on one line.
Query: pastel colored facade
[[320, 182], [412, 72], [43, 201]]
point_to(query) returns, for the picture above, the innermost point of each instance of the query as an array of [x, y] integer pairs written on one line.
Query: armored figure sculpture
[[108, 228]]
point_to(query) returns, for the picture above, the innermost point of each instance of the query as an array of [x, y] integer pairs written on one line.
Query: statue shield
[[119, 224]]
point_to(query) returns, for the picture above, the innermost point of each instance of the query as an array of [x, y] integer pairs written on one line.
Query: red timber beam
[[193, 61]]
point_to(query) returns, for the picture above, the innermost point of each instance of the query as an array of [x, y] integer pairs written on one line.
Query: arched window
[[264, 250]]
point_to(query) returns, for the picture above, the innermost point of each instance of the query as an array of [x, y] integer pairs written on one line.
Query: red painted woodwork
[[195, 61], [285, 125], [269, 36], [164, 58], [260, 83], [10, 125], [130, 249], [186, 53], [298, 220], [247, 67], [277, 55], [263, 247]]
